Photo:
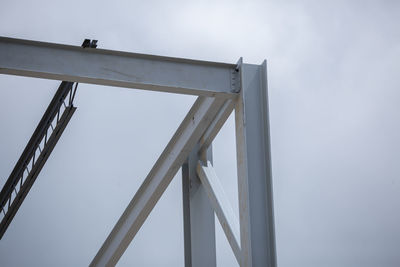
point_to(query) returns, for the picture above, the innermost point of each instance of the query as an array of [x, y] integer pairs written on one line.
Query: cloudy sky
[[334, 109]]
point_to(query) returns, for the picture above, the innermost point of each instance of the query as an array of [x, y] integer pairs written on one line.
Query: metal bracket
[[87, 43], [235, 77]]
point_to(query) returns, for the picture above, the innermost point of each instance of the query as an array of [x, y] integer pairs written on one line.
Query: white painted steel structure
[[221, 206], [221, 88], [114, 68]]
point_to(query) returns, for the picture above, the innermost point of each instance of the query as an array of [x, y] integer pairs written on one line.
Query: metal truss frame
[[36, 153], [221, 88]]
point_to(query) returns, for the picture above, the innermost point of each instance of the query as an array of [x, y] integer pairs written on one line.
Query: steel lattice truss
[[221, 89], [35, 154]]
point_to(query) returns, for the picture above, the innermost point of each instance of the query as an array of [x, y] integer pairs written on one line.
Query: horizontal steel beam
[[115, 68], [182, 143]]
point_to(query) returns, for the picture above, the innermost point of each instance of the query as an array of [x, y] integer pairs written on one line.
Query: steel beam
[[216, 125], [27, 161], [115, 68], [254, 168], [220, 87], [221, 205], [198, 215], [182, 143], [34, 172]]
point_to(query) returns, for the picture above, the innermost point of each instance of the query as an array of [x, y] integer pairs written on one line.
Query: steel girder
[[256, 206], [115, 68], [182, 143], [221, 88], [35, 154]]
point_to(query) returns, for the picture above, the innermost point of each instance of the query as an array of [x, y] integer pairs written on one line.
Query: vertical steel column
[[254, 168], [198, 215]]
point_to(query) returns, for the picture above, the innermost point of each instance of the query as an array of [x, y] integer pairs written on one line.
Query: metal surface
[[198, 215], [114, 68], [216, 125], [221, 206], [221, 88], [182, 143], [35, 154], [254, 169]]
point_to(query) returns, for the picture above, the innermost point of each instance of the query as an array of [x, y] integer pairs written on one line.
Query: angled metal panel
[[182, 143], [114, 68], [254, 169], [221, 206], [198, 215]]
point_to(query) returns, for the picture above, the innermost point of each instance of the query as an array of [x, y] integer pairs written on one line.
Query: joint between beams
[[235, 80]]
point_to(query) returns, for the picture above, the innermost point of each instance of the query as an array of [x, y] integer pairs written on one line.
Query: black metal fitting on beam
[[87, 43]]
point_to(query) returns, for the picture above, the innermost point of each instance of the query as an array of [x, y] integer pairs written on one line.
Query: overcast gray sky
[[333, 69]]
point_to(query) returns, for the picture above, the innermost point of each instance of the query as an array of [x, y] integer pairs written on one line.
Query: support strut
[[35, 154]]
